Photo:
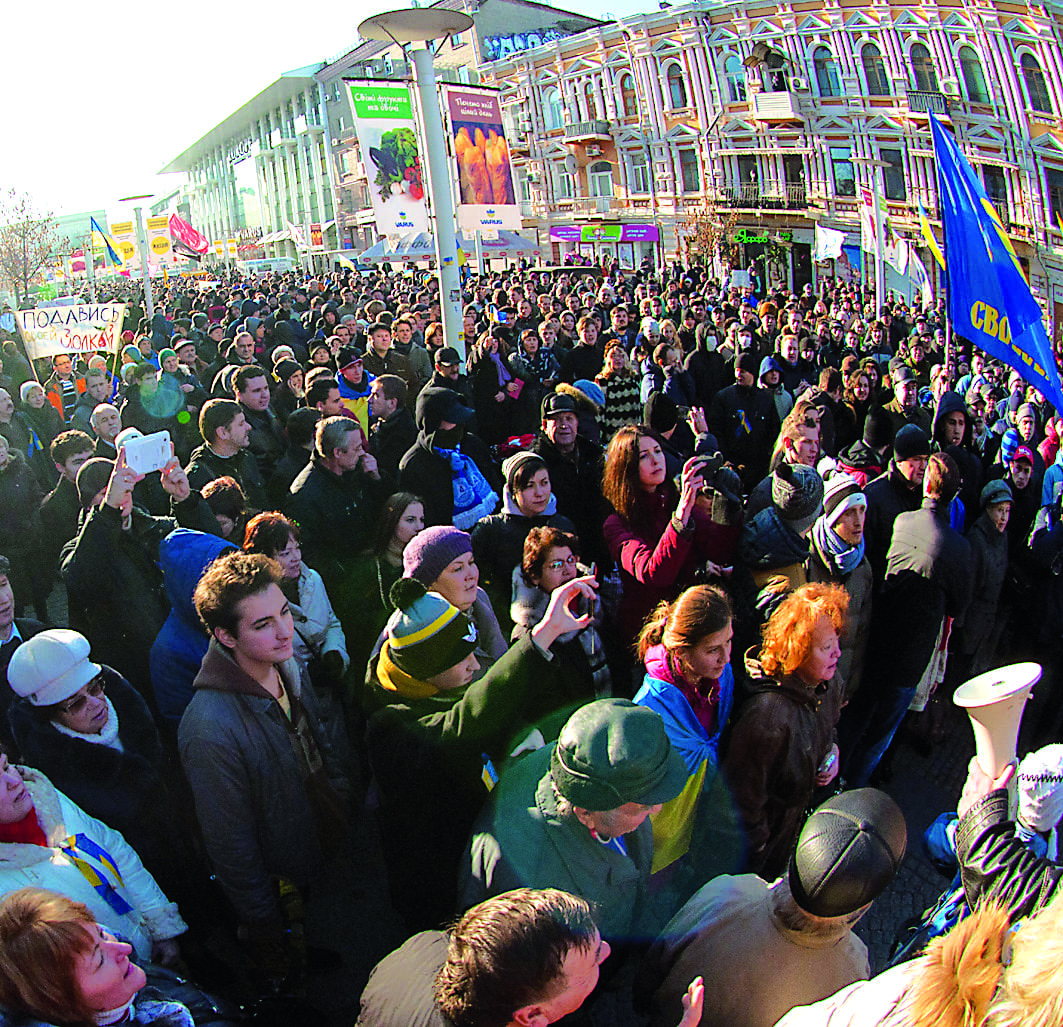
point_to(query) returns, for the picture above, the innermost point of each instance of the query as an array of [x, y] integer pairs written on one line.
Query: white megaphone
[[995, 701]]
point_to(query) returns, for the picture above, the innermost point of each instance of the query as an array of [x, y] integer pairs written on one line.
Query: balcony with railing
[[922, 103], [756, 197], [586, 131]]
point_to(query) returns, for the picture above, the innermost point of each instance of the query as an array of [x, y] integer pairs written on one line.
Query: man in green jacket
[[575, 816]]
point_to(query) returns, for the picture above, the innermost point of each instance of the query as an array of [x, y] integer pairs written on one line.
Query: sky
[[96, 97]]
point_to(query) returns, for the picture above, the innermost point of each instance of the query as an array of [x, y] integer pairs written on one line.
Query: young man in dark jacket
[[393, 428], [744, 421]]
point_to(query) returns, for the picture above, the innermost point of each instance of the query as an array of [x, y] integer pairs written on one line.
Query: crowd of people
[[611, 627]]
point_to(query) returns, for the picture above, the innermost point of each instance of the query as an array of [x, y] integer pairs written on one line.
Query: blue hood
[[184, 555]]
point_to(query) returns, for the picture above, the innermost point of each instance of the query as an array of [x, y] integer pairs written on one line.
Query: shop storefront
[[627, 244]]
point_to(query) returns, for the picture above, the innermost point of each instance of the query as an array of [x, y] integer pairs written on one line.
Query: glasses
[[556, 565], [94, 689]]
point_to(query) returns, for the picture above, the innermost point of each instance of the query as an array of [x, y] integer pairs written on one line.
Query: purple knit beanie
[[431, 551]]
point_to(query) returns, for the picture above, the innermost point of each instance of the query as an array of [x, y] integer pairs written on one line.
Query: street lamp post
[[142, 243], [420, 25], [873, 165]]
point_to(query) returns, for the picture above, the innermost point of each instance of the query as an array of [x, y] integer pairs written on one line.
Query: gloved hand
[[332, 662]]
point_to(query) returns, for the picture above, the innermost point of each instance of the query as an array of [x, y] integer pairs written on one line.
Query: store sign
[[239, 151], [605, 233], [746, 237]]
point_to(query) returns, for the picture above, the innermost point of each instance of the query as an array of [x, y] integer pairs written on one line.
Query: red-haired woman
[[657, 538], [783, 741]]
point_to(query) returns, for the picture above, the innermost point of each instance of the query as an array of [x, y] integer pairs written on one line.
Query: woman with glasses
[[84, 726]]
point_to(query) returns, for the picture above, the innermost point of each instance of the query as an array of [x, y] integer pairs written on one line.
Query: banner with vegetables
[[485, 174], [387, 138]]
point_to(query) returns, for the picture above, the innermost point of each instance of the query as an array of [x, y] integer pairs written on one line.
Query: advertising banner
[[317, 239], [485, 175], [391, 153], [160, 248], [605, 233], [219, 249], [74, 328], [125, 235]]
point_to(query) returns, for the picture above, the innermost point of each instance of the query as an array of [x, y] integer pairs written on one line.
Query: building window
[[456, 40], [1054, 179], [677, 89], [735, 74], [894, 174], [874, 71], [639, 172], [748, 180], [923, 70], [973, 76], [844, 175], [553, 109], [1036, 87], [826, 72], [688, 168], [600, 178], [589, 101], [996, 185], [565, 190], [629, 101]]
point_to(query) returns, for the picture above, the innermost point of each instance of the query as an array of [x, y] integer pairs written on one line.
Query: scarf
[[503, 375], [473, 496], [840, 557], [108, 734], [539, 364], [27, 831], [395, 680], [113, 1016]]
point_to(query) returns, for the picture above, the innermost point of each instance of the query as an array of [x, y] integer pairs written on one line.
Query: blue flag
[[990, 303]]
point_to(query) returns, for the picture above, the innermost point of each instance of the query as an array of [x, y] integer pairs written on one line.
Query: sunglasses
[[94, 689]]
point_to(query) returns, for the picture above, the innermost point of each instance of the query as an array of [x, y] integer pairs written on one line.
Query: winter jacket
[[1052, 484], [859, 585], [860, 461], [60, 512], [122, 785], [267, 787], [745, 423], [355, 398], [317, 628], [989, 557], [53, 392], [706, 368], [336, 514], [426, 472], [969, 464], [521, 840], [770, 546], [181, 644], [149, 1009], [391, 439], [429, 753], [781, 734], [401, 989], [889, 495], [657, 562], [622, 404], [152, 916], [204, 466], [267, 440], [576, 480], [498, 545]]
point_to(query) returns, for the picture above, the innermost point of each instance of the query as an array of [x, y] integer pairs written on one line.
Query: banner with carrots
[[485, 174]]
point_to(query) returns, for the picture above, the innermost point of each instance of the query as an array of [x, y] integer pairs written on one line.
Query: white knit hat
[[1040, 787], [841, 492], [50, 667]]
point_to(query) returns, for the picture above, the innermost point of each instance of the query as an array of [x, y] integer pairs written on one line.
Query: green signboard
[[601, 233], [744, 235]]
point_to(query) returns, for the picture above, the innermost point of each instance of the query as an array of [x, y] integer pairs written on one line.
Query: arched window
[[874, 71], [973, 76], [600, 178], [923, 70], [677, 88], [1036, 87], [735, 74], [553, 108], [826, 72], [629, 101], [589, 100]]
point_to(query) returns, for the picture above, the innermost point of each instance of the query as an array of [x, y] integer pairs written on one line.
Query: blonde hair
[[788, 633]]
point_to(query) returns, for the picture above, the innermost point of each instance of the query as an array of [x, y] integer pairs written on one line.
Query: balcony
[[752, 197], [780, 106], [586, 131], [923, 103]]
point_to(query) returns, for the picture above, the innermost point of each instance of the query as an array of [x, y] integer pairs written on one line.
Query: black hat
[[660, 412], [347, 355], [847, 853], [557, 403], [911, 441], [285, 369], [797, 492], [878, 428], [747, 362], [92, 476], [447, 355]]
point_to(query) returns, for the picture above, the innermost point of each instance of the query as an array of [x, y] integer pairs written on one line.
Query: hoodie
[[969, 464], [182, 643]]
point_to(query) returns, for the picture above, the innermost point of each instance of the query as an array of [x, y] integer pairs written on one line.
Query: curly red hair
[[788, 634]]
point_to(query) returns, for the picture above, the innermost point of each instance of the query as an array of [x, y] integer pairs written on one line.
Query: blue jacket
[[182, 643]]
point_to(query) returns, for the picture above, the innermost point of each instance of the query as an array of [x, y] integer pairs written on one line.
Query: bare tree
[[28, 237]]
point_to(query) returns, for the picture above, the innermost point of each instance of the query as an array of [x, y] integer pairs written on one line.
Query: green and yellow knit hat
[[426, 635]]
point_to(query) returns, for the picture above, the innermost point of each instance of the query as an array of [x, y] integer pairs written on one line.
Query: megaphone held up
[[995, 702]]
